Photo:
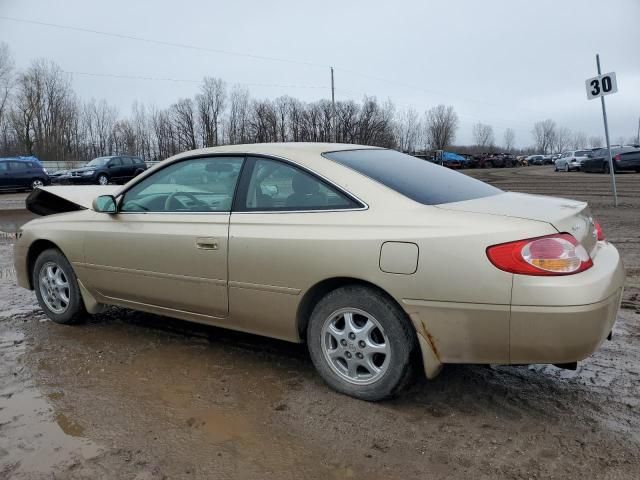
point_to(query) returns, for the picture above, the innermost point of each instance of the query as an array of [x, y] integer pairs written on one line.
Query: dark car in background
[[626, 158], [22, 173], [103, 170]]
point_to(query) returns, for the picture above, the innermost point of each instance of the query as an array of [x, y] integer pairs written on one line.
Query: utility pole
[[606, 134], [638, 136], [333, 109]]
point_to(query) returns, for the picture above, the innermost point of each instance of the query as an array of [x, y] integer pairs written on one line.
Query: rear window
[[582, 153], [420, 180]]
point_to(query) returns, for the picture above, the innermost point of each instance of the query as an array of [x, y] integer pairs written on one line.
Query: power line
[[162, 42], [184, 80], [250, 55]]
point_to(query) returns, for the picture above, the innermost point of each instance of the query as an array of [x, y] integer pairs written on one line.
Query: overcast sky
[[507, 63]]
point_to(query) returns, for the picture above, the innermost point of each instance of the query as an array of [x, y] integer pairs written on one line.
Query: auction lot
[[132, 395]]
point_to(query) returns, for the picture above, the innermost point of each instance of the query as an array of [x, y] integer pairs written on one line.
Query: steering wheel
[[172, 197]]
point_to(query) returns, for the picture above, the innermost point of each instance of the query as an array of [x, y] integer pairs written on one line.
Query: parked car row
[[28, 173], [625, 158]]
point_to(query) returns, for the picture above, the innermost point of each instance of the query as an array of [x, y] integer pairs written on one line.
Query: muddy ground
[[131, 395]]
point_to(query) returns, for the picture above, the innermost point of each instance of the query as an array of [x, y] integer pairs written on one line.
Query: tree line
[[41, 115]]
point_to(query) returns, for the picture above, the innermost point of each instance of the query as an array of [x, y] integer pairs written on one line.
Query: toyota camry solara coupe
[[380, 261]]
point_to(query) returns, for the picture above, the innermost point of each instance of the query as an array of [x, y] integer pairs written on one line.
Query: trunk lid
[[570, 216]]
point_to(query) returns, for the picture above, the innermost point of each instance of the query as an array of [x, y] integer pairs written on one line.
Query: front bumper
[[74, 179]]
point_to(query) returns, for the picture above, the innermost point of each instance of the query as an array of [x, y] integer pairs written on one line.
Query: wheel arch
[[423, 354], [35, 249], [316, 292]]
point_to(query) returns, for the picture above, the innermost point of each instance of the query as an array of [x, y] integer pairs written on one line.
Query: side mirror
[[105, 204]]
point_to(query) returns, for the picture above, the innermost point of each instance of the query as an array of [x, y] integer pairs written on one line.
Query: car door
[[19, 174], [166, 246], [278, 244], [115, 169]]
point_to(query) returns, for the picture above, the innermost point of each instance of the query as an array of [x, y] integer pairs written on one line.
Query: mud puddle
[[35, 441]]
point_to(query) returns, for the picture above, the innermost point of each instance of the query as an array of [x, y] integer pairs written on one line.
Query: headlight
[[88, 172]]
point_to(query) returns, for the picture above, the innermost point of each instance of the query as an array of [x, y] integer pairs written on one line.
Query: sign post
[[599, 87]]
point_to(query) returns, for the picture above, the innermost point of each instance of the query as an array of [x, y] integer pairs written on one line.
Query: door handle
[[207, 243]]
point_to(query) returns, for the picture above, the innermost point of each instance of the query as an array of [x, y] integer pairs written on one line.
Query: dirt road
[[131, 395]]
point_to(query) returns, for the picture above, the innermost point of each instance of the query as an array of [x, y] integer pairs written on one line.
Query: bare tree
[[6, 83], [440, 123], [544, 133], [184, 122], [509, 139], [562, 139], [483, 135], [238, 120], [579, 141], [407, 130], [211, 102], [99, 118], [595, 141]]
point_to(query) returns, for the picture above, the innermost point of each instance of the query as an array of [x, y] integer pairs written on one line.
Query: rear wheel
[[566, 167], [57, 288], [361, 342]]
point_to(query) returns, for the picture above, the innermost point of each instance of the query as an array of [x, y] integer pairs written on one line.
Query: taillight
[[558, 254], [617, 158], [599, 233]]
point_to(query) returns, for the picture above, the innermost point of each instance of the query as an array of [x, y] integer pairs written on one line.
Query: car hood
[[564, 215], [50, 200]]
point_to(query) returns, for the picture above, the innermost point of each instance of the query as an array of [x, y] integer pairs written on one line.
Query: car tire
[[57, 288], [369, 366], [566, 168], [36, 183], [102, 179], [605, 167]]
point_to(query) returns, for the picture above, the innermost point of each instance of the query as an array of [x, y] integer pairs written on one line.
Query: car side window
[[279, 186], [17, 166], [127, 161], [195, 185], [115, 162], [4, 166]]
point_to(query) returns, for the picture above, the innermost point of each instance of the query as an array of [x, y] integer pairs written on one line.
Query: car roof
[[291, 150]]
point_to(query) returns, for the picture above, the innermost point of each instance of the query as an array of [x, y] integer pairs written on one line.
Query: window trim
[[245, 177], [121, 195]]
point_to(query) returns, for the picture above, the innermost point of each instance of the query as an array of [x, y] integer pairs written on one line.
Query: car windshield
[[98, 162], [418, 179]]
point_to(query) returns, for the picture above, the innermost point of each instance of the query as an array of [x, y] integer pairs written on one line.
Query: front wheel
[[36, 183], [361, 343], [102, 179], [57, 288]]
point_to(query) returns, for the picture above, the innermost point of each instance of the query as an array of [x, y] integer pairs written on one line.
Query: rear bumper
[[560, 334], [565, 319], [551, 320]]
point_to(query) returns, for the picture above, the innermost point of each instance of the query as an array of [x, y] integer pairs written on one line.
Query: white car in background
[[571, 160]]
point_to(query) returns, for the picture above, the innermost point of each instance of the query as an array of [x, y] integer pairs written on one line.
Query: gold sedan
[[367, 254]]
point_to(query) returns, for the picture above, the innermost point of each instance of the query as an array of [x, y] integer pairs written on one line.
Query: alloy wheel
[[54, 287], [355, 346]]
